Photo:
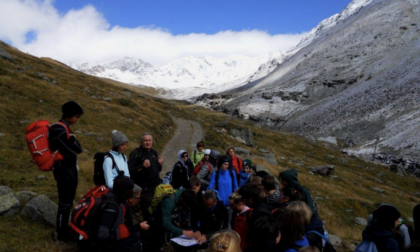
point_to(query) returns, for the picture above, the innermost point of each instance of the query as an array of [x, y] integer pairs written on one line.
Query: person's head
[[225, 241], [251, 194], [214, 156], [188, 198], [209, 199], [119, 141], [308, 249], [265, 233], [135, 199], [386, 217], [230, 151], [146, 141], [207, 154], [223, 163], [236, 202], [183, 156], [195, 184], [257, 181], [269, 184], [291, 225], [200, 146], [247, 165], [302, 209], [123, 186], [289, 178], [71, 112], [290, 194]]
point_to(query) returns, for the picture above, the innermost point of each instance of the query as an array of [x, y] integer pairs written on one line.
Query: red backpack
[[198, 167], [37, 140]]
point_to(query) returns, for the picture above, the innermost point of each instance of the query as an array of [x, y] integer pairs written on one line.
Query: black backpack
[[98, 171]]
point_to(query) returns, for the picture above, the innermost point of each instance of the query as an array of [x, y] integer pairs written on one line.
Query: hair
[[235, 197], [188, 196], [308, 249], [123, 186], [136, 190], [291, 225], [256, 180], [221, 160], [251, 191], [200, 144], [302, 209], [225, 241], [268, 182], [145, 134], [264, 232], [385, 216], [228, 149], [194, 181], [209, 194], [291, 193]]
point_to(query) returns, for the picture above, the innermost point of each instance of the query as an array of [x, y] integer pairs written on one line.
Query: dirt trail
[[186, 136]]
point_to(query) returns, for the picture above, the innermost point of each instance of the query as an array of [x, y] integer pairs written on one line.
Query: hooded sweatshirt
[[291, 177], [383, 239], [181, 172], [243, 177], [224, 185]]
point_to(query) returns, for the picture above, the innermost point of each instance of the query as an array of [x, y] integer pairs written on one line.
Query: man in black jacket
[[144, 165], [61, 138]]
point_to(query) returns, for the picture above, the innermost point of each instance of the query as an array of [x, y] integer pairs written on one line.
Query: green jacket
[[197, 157], [291, 177], [168, 205]]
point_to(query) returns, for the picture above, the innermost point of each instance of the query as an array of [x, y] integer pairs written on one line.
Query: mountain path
[[186, 136]]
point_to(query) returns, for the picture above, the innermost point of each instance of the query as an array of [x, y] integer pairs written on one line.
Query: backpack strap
[[114, 164], [319, 234], [232, 179], [195, 154], [65, 127], [216, 181]]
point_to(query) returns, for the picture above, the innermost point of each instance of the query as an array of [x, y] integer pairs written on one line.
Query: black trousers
[[66, 194]]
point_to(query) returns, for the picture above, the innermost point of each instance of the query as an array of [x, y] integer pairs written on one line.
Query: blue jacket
[[224, 186], [243, 177], [110, 174], [302, 243]]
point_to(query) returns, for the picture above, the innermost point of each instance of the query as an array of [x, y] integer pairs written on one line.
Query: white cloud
[[84, 35]]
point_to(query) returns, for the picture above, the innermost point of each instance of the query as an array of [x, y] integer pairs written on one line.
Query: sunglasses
[[184, 156]]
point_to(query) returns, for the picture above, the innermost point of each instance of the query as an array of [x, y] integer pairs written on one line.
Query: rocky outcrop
[[323, 170], [41, 208], [9, 205]]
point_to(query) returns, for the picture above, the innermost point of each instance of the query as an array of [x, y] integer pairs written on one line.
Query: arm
[[109, 214], [204, 169], [109, 178], [135, 161], [235, 181], [167, 206], [68, 147], [212, 181]]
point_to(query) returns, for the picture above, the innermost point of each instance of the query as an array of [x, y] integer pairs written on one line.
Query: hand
[[160, 160], [72, 138], [202, 239], [188, 233], [146, 163], [197, 235], [144, 225]]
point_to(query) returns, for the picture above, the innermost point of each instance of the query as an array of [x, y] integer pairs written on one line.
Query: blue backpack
[[366, 246], [328, 247]]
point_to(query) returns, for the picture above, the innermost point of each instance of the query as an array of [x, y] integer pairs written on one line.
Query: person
[[292, 230], [289, 178], [382, 231], [145, 165], [65, 171], [235, 161], [240, 216], [181, 171], [213, 219], [256, 180], [225, 241], [264, 235], [245, 174], [206, 169], [198, 155], [116, 230], [224, 181], [416, 218], [270, 188], [119, 144]]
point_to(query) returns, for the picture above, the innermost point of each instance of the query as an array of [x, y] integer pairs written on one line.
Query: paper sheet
[[185, 241]]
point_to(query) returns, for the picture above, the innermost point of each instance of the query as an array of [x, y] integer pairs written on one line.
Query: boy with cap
[[65, 171], [119, 144]]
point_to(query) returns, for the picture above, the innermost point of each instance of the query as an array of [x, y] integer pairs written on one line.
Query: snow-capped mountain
[[189, 76]]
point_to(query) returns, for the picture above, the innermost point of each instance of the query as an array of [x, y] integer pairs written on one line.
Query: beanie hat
[[223, 159], [207, 152], [70, 109], [123, 186], [247, 162], [118, 138], [386, 215]]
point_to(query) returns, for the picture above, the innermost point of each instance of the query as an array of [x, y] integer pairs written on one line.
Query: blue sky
[[158, 31]]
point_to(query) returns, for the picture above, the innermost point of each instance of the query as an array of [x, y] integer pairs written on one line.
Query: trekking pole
[[374, 151]]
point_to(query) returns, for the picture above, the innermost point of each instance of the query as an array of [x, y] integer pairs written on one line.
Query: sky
[[158, 31]]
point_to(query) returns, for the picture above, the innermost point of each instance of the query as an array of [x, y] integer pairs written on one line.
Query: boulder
[[323, 170], [41, 208], [379, 190], [222, 124], [398, 169], [244, 134], [25, 196], [4, 190], [335, 240], [240, 140], [242, 151], [9, 205], [270, 158], [6, 55], [361, 221], [378, 181]]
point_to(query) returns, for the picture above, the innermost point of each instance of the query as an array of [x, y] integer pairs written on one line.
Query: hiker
[[119, 145], [416, 218], [382, 230], [264, 235], [289, 178], [65, 171], [272, 191], [224, 241], [206, 169], [292, 230], [245, 174], [144, 165], [223, 180], [235, 161], [240, 216], [116, 230], [181, 171], [198, 155]]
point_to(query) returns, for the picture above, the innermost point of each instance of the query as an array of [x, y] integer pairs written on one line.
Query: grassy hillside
[[26, 96]]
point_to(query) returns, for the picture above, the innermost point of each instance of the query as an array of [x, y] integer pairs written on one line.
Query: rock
[[335, 240], [100, 139], [344, 161], [78, 132], [9, 205], [41, 177], [361, 221], [323, 170], [349, 210], [90, 134], [107, 99], [379, 190], [94, 97], [4, 190], [222, 124], [41, 208], [25, 196], [410, 219], [6, 55], [398, 169], [126, 93], [2, 134], [244, 134], [240, 140], [381, 173], [264, 151], [269, 158], [378, 181], [223, 130], [242, 151]]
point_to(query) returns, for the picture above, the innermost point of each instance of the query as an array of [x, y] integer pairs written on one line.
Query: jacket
[[168, 206], [204, 175], [236, 163], [146, 178], [196, 157], [383, 239], [224, 187], [301, 243], [111, 173], [317, 225], [181, 172], [214, 220], [240, 224], [65, 169], [292, 179], [243, 178]]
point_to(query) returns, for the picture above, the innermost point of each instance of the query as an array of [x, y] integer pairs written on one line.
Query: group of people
[[219, 200]]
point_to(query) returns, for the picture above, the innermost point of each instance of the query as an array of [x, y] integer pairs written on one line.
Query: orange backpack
[[37, 140]]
